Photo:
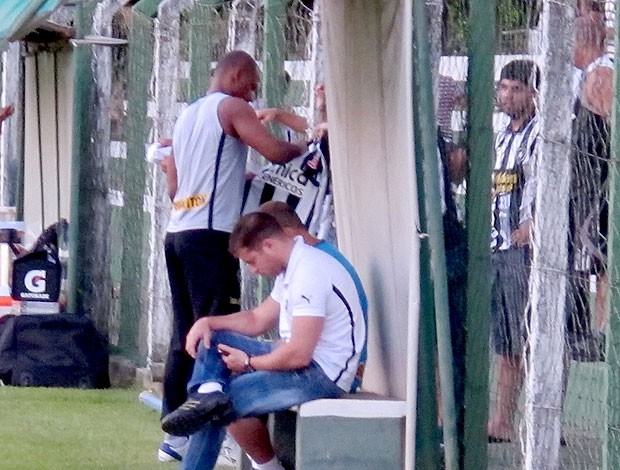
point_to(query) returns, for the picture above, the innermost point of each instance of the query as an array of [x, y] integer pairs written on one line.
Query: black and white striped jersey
[[514, 182], [303, 183]]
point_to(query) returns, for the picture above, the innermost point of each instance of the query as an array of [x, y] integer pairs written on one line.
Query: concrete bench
[[365, 431]]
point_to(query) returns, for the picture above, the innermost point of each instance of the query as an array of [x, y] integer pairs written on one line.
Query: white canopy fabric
[[368, 84]]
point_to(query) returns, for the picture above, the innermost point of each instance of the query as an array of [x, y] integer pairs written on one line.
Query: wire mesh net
[[144, 85], [568, 261], [554, 280], [240, 25]]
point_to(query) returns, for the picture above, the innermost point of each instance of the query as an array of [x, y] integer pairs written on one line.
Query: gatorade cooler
[[36, 282]]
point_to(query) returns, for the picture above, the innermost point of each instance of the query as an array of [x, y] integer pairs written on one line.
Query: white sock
[[273, 464], [175, 441], [253, 464], [209, 387]]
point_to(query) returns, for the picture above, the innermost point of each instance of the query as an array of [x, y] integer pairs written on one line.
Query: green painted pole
[[274, 52], [20, 147], [427, 167], [135, 224], [480, 151], [201, 49], [612, 451], [427, 437], [82, 128], [147, 7]]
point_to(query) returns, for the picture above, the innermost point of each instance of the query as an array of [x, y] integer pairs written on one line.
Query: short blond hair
[[253, 229], [283, 213]]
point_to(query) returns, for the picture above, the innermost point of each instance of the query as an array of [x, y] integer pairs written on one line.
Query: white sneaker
[[229, 452], [173, 453]]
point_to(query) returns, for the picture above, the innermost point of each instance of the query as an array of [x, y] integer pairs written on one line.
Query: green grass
[[47, 428]]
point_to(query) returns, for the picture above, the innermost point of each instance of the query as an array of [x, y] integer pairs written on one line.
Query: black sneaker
[[198, 410]]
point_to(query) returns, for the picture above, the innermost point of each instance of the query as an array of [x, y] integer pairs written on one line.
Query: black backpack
[[57, 350]]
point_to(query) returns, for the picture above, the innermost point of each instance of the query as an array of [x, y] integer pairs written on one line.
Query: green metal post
[[21, 144], [134, 220], [82, 128], [201, 49], [274, 52], [480, 152], [429, 187], [612, 452], [427, 438], [147, 7]]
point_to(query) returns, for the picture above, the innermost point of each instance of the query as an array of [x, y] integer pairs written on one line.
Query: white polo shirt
[[314, 284]]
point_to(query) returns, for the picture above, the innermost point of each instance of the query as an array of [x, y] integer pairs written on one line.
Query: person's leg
[[204, 448], [252, 435], [457, 303], [258, 393], [262, 392], [510, 306], [252, 394], [179, 364], [209, 365], [195, 260], [509, 383], [208, 389], [498, 328], [211, 273], [601, 317]]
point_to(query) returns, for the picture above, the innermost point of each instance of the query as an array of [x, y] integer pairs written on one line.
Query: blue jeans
[[251, 394]]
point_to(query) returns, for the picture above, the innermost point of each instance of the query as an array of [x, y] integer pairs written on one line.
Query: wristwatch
[[248, 364]]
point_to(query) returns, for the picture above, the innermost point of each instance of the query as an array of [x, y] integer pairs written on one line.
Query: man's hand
[[521, 236], [320, 130], [235, 359], [267, 115], [288, 118], [199, 331]]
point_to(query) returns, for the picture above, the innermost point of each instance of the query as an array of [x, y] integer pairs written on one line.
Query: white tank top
[[210, 170]]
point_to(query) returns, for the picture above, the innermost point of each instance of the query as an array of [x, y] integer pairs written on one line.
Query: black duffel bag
[[58, 350]]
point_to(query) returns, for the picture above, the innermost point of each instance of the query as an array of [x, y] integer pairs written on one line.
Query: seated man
[[237, 378], [290, 222]]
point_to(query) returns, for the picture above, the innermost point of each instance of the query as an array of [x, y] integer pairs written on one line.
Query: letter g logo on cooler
[[34, 280]]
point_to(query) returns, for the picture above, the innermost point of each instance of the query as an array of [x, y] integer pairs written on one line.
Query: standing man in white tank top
[[205, 174]]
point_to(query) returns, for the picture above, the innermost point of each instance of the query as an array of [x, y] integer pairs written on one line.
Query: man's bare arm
[[239, 120], [598, 91], [170, 169], [289, 119], [297, 353]]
